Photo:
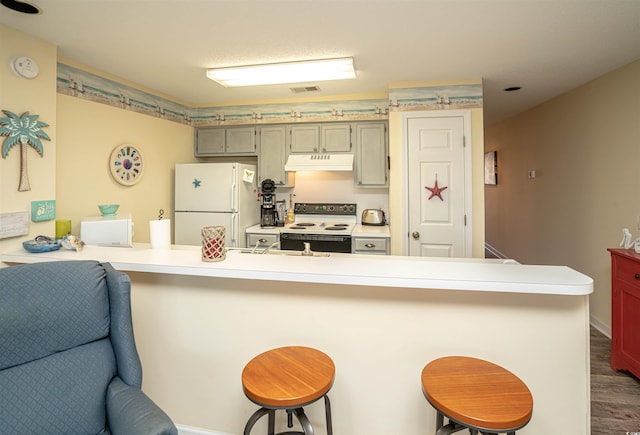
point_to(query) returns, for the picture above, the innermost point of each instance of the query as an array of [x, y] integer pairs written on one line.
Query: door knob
[[415, 235]]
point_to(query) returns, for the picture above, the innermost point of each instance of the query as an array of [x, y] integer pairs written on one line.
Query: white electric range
[[326, 227]]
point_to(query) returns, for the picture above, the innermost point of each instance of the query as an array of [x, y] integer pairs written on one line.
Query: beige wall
[[37, 96], [74, 169], [87, 133], [195, 334], [585, 149]]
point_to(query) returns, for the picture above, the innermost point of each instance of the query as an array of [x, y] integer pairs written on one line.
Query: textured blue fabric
[[50, 307], [60, 394], [124, 345], [66, 334], [131, 411]]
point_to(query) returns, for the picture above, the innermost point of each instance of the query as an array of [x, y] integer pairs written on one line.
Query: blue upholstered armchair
[[68, 359]]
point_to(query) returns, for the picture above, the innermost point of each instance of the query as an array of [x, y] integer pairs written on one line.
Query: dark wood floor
[[615, 396]]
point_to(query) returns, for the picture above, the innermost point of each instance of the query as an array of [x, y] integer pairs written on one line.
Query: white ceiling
[[547, 47]]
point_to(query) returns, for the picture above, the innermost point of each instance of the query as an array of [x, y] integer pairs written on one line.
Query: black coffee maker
[[268, 214]]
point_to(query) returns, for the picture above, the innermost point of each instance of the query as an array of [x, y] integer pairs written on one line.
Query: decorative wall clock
[[126, 164]]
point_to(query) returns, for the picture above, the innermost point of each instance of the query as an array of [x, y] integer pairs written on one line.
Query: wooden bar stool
[[288, 378], [477, 395]]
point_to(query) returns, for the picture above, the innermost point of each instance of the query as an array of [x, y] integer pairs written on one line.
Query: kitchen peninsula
[[380, 318]]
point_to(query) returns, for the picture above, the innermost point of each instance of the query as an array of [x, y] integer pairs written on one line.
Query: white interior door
[[437, 186]]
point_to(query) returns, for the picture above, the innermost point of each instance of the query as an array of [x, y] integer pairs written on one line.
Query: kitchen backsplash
[[334, 187]]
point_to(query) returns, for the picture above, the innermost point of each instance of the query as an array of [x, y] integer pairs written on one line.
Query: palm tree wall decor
[[24, 130]]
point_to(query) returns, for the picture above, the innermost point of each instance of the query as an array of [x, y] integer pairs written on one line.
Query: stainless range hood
[[319, 162]]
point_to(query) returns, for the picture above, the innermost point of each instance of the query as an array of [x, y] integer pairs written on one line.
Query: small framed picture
[[491, 167]]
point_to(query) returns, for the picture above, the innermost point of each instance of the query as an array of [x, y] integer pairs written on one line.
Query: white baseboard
[[188, 430], [494, 251], [605, 329]]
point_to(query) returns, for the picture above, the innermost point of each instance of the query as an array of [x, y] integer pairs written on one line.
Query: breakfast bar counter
[[381, 271], [380, 318]]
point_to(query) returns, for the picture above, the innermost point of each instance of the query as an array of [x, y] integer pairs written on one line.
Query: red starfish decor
[[436, 190]]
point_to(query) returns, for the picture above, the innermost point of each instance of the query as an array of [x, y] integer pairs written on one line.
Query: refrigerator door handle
[[234, 229], [234, 189]]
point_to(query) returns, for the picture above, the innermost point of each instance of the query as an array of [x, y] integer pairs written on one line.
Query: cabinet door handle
[[262, 240], [637, 276], [370, 245]]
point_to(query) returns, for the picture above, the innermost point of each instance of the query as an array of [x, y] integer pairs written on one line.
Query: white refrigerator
[[215, 194]]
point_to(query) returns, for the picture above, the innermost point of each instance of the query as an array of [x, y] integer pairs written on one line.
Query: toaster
[[373, 217]]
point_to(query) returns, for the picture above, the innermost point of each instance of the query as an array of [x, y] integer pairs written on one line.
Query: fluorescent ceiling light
[[290, 72]]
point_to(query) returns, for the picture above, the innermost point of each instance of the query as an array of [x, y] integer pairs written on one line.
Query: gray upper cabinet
[[210, 141], [272, 155], [320, 138], [305, 138], [273, 143], [335, 138], [216, 141], [371, 155]]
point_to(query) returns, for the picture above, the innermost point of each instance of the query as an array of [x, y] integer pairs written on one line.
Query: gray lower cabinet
[[371, 161], [262, 240], [370, 245], [272, 156], [220, 141]]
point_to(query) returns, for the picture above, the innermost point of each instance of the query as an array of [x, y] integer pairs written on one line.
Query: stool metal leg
[[271, 429], [300, 415], [304, 421], [450, 428], [327, 411], [257, 416]]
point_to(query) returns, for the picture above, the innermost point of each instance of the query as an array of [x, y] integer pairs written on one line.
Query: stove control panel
[[325, 208]]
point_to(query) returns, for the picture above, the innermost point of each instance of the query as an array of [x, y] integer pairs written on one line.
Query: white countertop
[[374, 231], [349, 269], [257, 229]]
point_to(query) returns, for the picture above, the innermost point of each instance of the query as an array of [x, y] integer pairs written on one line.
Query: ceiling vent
[[302, 89]]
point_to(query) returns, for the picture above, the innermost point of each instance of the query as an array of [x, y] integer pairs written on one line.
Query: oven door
[[318, 242]]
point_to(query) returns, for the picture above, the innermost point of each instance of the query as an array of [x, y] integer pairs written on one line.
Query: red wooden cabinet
[[625, 306]]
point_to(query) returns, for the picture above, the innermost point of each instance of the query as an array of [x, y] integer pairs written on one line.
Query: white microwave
[[107, 230]]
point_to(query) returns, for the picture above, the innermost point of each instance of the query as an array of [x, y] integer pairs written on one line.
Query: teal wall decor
[[23, 130], [43, 210]]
